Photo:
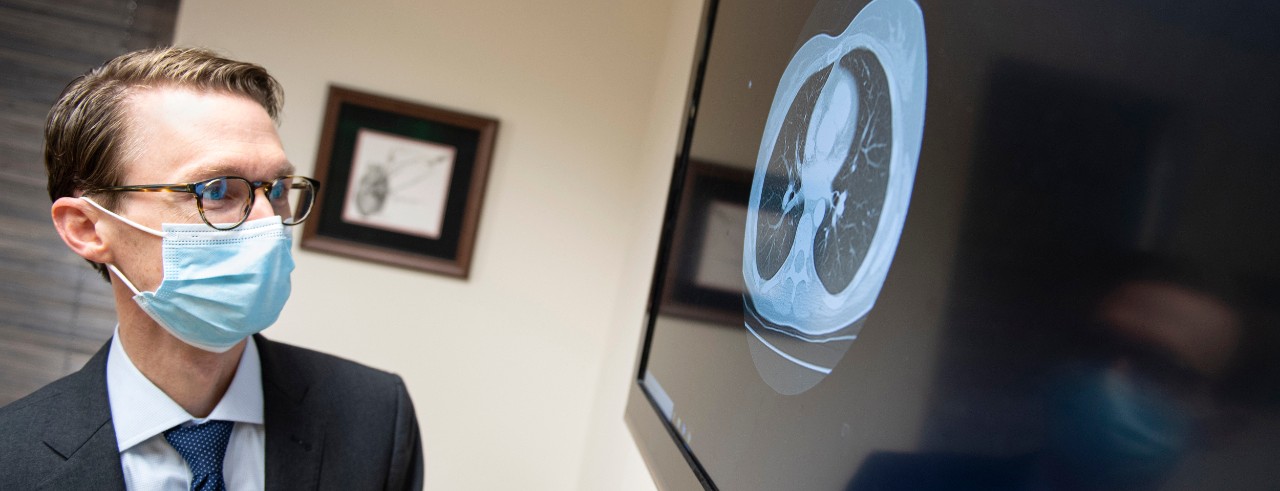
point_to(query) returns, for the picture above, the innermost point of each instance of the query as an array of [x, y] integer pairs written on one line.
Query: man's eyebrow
[[207, 173], [219, 170]]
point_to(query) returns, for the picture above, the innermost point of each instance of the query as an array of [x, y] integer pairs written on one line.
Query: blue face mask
[[1113, 431], [220, 286]]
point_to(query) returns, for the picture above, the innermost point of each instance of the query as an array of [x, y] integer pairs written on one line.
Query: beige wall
[[612, 460], [518, 374]]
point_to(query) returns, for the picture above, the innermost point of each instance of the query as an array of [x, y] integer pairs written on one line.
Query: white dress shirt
[[141, 412]]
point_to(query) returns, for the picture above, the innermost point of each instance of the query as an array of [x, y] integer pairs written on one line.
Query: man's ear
[[77, 224]]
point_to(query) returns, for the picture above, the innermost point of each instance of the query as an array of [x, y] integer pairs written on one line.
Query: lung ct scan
[[829, 198]]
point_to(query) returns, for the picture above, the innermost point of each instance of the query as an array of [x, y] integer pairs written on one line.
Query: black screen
[[973, 245]]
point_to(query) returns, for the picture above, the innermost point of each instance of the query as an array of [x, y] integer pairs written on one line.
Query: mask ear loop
[[126, 281], [130, 223], [127, 221]]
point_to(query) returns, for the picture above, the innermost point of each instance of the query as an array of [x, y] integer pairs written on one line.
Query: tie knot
[[203, 446]]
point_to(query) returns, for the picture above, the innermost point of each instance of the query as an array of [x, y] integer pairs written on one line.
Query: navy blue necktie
[[203, 447]]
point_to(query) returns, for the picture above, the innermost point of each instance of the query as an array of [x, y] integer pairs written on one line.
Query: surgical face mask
[[1112, 430], [220, 286]]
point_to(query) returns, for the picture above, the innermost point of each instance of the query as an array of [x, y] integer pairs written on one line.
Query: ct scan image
[[829, 198]]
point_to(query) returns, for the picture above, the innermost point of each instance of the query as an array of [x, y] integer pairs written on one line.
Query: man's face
[[179, 136]]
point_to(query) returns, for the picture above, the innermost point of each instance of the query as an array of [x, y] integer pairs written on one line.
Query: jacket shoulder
[[337, 385], [31, 410], [62, 420], [76, 393], [364, 411], [321, 368]]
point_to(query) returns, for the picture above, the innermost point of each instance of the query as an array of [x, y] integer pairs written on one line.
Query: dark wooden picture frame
[[697, 285], [402, 183]]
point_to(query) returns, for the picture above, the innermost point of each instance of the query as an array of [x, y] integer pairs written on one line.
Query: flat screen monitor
[[1010, 245]]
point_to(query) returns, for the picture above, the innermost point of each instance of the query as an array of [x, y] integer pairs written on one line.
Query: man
[[166, 172]]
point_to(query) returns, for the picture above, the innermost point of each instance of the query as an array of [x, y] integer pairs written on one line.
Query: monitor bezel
[[670, 462]]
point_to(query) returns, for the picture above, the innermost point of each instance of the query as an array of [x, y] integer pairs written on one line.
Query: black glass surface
[[1086, 289]]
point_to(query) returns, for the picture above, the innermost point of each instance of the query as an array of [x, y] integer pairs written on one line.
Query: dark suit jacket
[[330, 424]]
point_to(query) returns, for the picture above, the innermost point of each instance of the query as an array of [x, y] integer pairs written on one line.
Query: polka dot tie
[[203, 447]]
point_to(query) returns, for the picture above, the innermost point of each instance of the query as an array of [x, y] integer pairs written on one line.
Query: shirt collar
[[140, 410]]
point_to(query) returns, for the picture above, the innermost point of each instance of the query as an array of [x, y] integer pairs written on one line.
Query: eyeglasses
[[226, 202]]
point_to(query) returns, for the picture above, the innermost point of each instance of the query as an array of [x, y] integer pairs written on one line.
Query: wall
[[612, 460], [518, 372]]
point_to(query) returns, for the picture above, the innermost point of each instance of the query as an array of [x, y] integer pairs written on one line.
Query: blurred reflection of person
[[1118, 417], [1123, 419]]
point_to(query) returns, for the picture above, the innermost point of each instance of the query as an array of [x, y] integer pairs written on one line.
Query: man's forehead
[[184, 134]]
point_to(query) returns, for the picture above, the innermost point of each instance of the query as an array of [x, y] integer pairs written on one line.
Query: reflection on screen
[[1083, 296]]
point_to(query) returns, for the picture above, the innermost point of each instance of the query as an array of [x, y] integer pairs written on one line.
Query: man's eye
[[224, 190], [277, 190], [216, 191]]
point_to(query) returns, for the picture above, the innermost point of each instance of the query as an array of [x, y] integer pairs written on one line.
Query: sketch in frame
[[399, 183]]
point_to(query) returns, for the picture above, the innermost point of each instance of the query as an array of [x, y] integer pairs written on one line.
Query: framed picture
[[402, 183], [705, 283]]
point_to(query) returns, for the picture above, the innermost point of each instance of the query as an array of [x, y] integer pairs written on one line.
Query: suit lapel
[[78, 428], [295, 434]]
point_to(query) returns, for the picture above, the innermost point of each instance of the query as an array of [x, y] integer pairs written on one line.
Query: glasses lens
[[225, 201], [291, 198]]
